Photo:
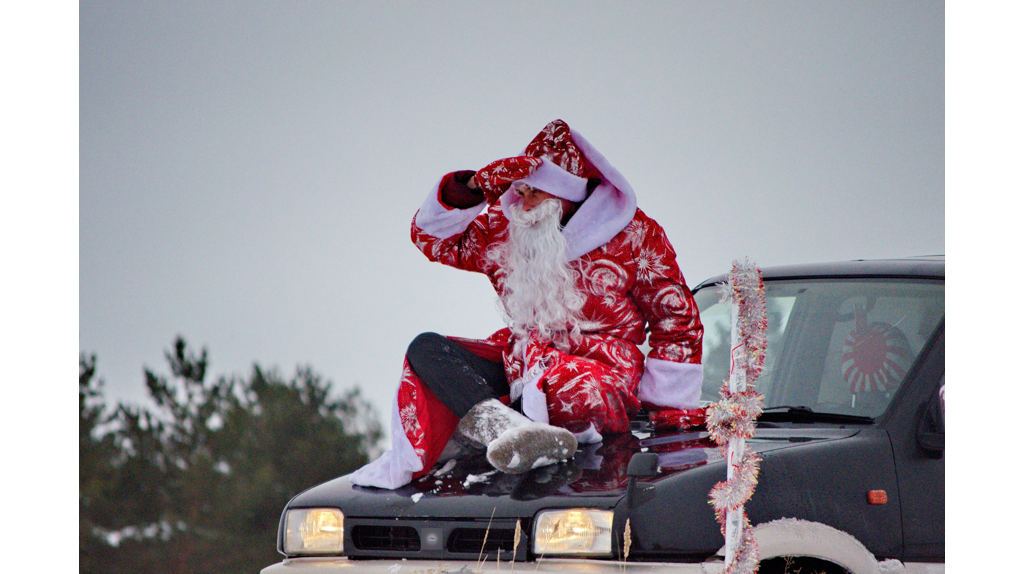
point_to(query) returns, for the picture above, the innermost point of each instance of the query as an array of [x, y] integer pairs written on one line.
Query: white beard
[[539, 288]]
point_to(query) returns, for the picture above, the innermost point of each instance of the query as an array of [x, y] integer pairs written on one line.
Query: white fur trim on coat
[[670, 384], [588, 436], [394, 468], [441, 221], [553, 179], [535, 402]]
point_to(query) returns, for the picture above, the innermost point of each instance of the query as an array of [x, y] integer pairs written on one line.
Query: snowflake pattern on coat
[[631, 284], [426, 421]]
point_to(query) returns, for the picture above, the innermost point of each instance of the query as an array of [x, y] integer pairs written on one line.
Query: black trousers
[[457, 377]]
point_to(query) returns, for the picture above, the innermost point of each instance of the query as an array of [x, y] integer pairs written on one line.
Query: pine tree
[[97, 477], [198, 484]]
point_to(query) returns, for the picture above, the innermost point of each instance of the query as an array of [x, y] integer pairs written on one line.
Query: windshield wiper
[[790, 409], [800, 413]]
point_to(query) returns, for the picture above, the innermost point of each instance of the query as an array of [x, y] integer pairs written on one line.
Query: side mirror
[[931, 431], [641, 465]]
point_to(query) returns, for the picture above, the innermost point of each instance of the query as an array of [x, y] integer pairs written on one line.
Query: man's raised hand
[[496, 176]]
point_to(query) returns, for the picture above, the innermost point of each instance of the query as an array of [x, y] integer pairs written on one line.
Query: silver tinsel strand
[[731, 494], [745, 287], [747, 558], [735, 415]]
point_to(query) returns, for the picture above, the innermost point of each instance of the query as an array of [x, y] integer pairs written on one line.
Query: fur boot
[[515, 444]]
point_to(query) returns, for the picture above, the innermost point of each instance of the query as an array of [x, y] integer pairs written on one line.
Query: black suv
[[851, 439]]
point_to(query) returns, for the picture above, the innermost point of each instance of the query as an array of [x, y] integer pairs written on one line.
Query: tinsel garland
[[748, 554], [731, 494], [745, 289], [733, 418], [735, 415]]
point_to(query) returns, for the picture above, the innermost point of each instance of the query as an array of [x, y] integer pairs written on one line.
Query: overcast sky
[[244, 175], [249, 170]]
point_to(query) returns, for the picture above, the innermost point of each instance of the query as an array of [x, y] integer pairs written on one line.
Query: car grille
[[428, 539], [473, 539], [390, 538]]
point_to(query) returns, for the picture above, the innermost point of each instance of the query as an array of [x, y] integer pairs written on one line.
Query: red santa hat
[[553, 179], [555, 143], [551, 162], [560, 162], [565, 169]]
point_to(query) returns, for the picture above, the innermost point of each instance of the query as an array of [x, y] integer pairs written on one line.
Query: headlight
[[576, 531], [314, 531]]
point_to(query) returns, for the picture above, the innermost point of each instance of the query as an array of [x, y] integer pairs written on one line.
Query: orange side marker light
[[877, 497]]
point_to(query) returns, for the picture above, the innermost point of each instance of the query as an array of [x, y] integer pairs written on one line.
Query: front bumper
[[340, 564]]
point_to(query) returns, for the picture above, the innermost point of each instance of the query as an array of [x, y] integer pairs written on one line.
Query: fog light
[[577, 531], [314, 531]]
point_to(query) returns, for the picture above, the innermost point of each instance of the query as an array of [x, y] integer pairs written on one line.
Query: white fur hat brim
[[553, 179]]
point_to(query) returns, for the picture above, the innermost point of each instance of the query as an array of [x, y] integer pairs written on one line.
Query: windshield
[[835, 346]]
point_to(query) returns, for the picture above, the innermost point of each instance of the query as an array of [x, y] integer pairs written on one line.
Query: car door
[[917, 431]]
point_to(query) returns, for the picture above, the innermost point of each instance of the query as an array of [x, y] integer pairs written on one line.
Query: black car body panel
[[690, 464], [815, 467]]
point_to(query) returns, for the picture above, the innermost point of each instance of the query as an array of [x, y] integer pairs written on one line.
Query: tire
[[799, 565]]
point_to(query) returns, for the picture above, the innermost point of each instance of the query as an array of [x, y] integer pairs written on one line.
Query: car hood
[[468, 487]]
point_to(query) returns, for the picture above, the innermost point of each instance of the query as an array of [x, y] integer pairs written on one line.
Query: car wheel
[[799, 565]]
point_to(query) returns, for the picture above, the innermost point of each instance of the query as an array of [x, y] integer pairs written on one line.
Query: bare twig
[[515, 543], [484, 543]]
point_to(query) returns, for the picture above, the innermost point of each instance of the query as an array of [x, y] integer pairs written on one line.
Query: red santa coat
[[631, 283]]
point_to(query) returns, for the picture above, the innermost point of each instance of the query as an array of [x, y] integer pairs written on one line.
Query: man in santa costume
[[583, 276]]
